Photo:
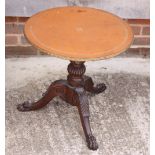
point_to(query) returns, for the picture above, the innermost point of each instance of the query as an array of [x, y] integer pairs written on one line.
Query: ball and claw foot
[[91, 142]]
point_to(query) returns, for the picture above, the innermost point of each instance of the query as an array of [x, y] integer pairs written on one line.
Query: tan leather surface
[[78, 33]]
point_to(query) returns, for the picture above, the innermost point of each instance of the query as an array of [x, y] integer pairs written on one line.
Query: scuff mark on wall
[[81, 2], [25, 11]]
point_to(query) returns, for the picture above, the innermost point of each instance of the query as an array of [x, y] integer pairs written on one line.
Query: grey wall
[[123, 8]]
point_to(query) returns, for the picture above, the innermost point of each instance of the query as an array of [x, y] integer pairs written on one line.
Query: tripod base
[[73, 90]]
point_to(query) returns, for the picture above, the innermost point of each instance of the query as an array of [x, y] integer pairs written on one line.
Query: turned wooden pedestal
[[73, 90]]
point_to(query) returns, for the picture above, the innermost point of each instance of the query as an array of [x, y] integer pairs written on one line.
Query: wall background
[[135, 12], [123, 8]]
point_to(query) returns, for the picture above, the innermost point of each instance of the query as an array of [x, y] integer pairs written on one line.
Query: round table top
[[78, 33]]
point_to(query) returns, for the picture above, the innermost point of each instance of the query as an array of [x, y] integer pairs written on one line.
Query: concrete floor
[[119, 116]]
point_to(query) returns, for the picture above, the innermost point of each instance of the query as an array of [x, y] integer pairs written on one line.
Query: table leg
[[83, 108], [54, 90]]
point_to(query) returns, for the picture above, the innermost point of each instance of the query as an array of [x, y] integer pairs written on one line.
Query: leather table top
[[78, 33]]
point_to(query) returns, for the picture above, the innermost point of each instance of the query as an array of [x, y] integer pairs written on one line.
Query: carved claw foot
[[26, 106], [91, 142], [99, 88], [89, 86]]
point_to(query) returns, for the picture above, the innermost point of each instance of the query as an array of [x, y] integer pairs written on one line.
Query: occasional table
[[77, 34]]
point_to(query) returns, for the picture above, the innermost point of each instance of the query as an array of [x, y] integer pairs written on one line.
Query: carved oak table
[[78, 34]]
